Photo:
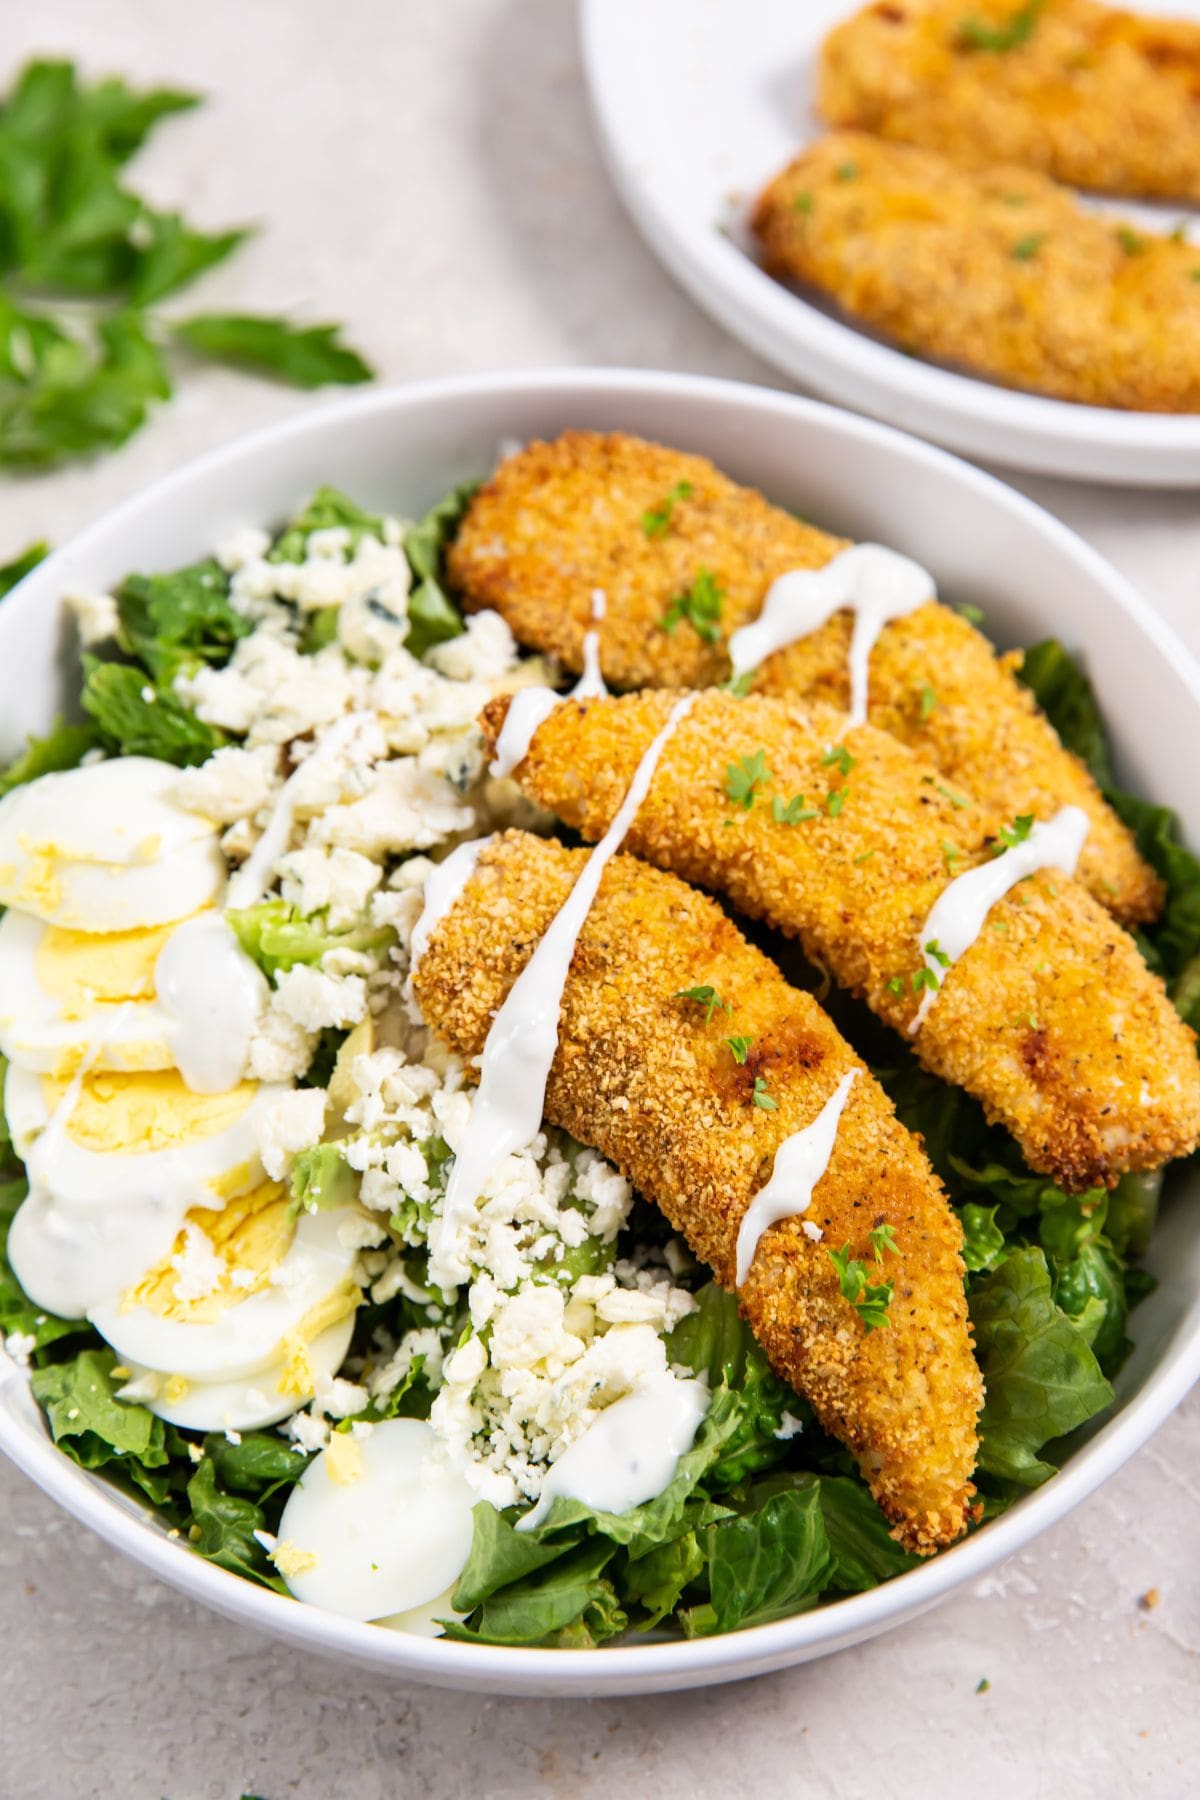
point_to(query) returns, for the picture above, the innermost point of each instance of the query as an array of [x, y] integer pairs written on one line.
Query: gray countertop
[[427, 173]]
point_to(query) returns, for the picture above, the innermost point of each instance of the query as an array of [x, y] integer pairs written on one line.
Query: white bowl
[[402, 449], [699, 103]]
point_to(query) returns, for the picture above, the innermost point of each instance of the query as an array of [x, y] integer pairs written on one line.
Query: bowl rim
[[648, 1666]]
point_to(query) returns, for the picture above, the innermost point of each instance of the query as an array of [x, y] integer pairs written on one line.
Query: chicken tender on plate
[[644, 1075], [1094, 96], [645, 525], [996, 269], [845, 840]]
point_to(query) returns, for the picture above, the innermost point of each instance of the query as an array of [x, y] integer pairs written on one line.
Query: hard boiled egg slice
[[70, 995], [376, 1525], [106, 848], [243, 1404], [244, 1289], [112, 1179]]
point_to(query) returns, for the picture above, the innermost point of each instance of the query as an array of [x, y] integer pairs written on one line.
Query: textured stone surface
[[427, 173]]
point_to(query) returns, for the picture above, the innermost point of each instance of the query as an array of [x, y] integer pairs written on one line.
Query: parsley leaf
[[791, 812], [19, 567], [1132, 242], [934, 949], [1012, 835], [882, 1238], [761, 1097], [974, 34], [740, 1047], [929, 702], [869, 1299], [707, 997], [835, 799], [744, 778], [837, 756], [847, 171], [657, 520], [1026, 248], [309, 356], [700, 606]]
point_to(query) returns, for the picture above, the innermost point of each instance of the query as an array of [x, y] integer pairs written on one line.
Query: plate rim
[[967, 415]]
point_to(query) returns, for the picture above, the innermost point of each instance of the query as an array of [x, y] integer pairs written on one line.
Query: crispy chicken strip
[[641, 1076], [558, 521], [1051, 1018], [998, 270], [1096, 97]]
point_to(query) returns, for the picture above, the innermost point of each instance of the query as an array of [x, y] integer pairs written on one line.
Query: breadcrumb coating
[[643, 1078], [1093, 96], [997, 270], [1051, 1019], [557, 521]]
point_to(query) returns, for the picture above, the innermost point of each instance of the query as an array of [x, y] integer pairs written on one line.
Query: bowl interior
[[401, 450]]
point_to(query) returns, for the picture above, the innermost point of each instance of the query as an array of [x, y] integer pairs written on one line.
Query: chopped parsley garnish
[[1026, 248], [838, 757], [761, 1096], [740, 1047], [882, 1238], [929, 701], [791, 812], [956, 800], [975, 34], [1179, 235], [802, 202], [1014, 834], [982, 1686], [739, 684], [865, 857], [847, 171], [707, 997], [656, 521], [700, 606], [869, 1299], [835, 799], [1132, 242], [950, 854], [1195, 275], [925, 978], [743, 779], [934, 949], [974, 615], [896, 986]]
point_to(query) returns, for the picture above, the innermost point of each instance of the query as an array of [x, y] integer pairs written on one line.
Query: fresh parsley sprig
[[656, 520], [1010, 836], [869, 1299], [975, 34], [84, 376], [706, 996], [761, 1097], [744, 778], [700, 606]]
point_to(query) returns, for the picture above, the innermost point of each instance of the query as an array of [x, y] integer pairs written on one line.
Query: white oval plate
[[698, 103], [401, 450]]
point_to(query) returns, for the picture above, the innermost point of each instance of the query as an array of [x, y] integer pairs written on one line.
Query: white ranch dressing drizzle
[[520, 1047], [875, 583], [530, 707], [629, 1453], [443, 885], [213, 994], [800, 1162], [957, 916], [252, 881]]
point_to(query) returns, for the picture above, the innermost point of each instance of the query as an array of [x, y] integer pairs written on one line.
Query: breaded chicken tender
[[1093, 96], [646, 1079], [1051, 1018], [996, 270], [560, 520]]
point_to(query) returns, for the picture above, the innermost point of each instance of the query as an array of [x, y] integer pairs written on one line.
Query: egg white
[[249, 1336], [390, 1539], [243, 1403], [36, 1031], [106, 848]]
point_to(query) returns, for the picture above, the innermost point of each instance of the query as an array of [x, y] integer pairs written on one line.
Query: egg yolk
[[248, 1238], [137, 1114], [81, 968]]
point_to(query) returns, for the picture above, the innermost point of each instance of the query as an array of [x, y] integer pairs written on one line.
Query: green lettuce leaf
[[328, 510], [433, 616], [500, 1555], [278, 937], [1042, 1379], [322, 1178], [19, 567], [1176, 937], [174, 622], [223, 1527], [63, 747], [138, 718], [983, 1240], [766, 1564], [656, 1582], [260, 1464], [716, 1343], [1066, 696], [567, 1595], [97, 1430]]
